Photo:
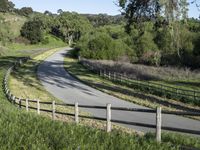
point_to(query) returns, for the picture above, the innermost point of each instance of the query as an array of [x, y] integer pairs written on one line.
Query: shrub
[[101, 46], [32, 30]]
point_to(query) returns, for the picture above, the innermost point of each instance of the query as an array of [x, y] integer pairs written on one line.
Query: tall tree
[[169, 12]]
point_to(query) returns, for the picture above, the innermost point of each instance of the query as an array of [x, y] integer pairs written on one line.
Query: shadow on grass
[[188, 84], [7, 61]]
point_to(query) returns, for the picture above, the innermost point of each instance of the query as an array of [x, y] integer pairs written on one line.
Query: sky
[[81, 6]]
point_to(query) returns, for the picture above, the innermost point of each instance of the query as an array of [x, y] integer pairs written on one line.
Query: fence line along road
[[147, 86], [25, 103]]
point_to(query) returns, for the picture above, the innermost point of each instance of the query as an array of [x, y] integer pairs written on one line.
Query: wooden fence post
[[27, 105], [114, 74], [53, 110], [158, 124], [9, 95], [109, 76], [104, 73], [108, 118], [13, 100], [100, 73], [194, 95], [38, 107], [20, 103], [120, 77], [76, 112]]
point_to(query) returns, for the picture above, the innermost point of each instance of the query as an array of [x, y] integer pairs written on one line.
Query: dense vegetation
[[152, 47], [144, 37]]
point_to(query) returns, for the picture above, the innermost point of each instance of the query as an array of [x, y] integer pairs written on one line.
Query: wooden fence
[[184, 95], [25, 103]]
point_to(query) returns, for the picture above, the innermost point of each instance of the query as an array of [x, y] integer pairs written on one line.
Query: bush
[[32, 30], [102, 46]]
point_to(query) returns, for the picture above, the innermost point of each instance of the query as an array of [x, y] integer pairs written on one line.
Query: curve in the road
[[63, 86]]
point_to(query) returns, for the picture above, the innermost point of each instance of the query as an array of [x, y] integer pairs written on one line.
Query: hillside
[[10, 26]]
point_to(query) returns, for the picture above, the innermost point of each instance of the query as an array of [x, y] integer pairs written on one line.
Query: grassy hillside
[[12, 23]]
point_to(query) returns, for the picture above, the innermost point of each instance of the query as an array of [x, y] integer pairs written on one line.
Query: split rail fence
[[147, 86], [25, 103]]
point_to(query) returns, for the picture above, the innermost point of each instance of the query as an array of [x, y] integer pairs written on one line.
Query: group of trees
[[67, 26], [157, 32], [153, 32], [8, 6]]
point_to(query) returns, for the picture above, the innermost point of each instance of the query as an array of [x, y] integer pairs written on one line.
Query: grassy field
[[21, 130]]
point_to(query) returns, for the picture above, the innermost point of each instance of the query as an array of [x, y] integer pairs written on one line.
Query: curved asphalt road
[[63, 86]]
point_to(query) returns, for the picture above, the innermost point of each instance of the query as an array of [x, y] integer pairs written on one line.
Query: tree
[[59, 11], [33, 31], [6, 6], [70, 26], [25, 11]]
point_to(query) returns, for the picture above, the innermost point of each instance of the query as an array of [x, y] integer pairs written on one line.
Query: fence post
[[13, 100], [114, 76], [194, 95], [104, 73], [109, 76], [53, 110], [38, 106], [120, 77], [108, 118], [76, 110], [158, 124], [9, 96], [27, 105], [20, 103]]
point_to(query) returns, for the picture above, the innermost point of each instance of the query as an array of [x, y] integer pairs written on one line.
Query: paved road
[[63, 86]]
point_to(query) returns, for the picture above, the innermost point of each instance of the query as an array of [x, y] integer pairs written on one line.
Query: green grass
[[12, 22], [20, 48]]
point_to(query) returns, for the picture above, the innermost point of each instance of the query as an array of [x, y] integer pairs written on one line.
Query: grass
[[176, 77], [21, 130], [123, 91], [12, 22], [19, 48]]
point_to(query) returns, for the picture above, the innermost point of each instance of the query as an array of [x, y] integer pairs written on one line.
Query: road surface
[[63, 86]]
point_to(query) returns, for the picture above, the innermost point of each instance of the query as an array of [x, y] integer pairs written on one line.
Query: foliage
[[6, 6], [70, 26], [33, 31], [104, 19], [24, 11], [100, 45]]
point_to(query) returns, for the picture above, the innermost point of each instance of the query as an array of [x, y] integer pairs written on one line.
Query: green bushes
[[101, 46], [33, 31]]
